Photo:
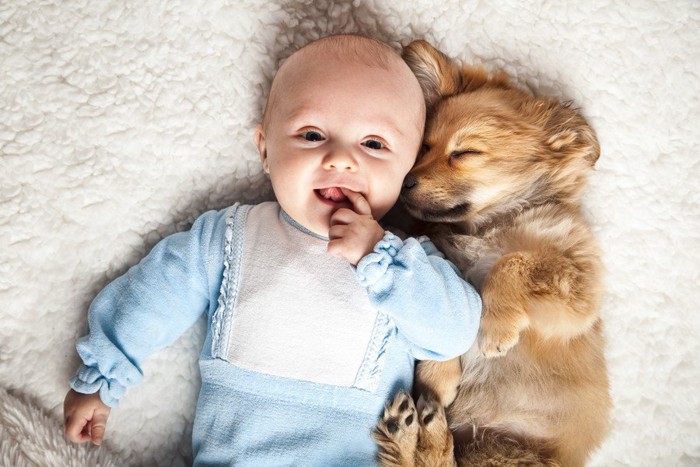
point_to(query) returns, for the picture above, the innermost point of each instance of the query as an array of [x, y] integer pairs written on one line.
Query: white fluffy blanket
[[121, 120], [31, 437]]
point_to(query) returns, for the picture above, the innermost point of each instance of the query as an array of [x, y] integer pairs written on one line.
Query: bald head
[[345, 50], [344, 113]]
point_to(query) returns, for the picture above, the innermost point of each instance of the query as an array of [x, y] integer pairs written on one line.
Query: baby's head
[[343, 112]]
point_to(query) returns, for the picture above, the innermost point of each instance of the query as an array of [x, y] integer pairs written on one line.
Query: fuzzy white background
[[122, 120]]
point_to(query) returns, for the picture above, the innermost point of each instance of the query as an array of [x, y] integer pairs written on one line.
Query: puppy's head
[[490, 148]]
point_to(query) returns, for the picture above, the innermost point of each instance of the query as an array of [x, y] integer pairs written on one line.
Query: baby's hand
[[353, 233], [86, 417]]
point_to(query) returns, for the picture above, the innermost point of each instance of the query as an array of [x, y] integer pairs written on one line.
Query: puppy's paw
[[496, 338], [399, 420], [431, 413], [435, 442], [396, 433]]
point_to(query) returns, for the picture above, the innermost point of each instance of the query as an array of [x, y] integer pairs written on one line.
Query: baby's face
[[340, 125]]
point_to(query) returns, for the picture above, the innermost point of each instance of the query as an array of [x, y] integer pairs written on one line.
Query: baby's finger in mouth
[[359, 202]]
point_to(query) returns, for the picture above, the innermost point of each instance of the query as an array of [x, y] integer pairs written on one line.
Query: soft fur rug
[[30, 437], [122, 120]]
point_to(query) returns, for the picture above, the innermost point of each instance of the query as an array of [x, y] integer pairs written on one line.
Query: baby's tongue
[[333, 193]]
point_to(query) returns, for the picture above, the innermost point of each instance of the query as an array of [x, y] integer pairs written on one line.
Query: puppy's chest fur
[[476, 251], [473, 255]]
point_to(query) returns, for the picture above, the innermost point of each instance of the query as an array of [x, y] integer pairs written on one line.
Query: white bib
[[299, 312]]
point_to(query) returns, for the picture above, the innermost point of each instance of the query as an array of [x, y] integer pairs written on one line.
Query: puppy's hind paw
[[396, 433], [428, 408], [399, 418]]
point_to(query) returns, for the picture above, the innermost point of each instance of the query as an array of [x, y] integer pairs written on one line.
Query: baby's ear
[[438, 76], [262, 149]]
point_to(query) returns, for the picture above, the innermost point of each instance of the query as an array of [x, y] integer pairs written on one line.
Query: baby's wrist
[[373, 239], [376, 237]]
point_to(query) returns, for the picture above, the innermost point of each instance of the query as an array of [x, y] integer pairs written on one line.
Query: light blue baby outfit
[[302, 349]]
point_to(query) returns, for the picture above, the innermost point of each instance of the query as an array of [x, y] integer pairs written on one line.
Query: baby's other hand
[[86, 417], [353, 233]]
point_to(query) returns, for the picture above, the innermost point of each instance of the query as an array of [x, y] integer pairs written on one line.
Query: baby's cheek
[[379, 209]]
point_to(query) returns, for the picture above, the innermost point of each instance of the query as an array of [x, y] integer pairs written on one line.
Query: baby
[[315, 313]]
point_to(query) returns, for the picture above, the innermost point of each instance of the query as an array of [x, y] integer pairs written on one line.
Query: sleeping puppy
[[500, 182]]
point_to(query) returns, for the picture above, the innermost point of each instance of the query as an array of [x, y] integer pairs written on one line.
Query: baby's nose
[[340, 160]]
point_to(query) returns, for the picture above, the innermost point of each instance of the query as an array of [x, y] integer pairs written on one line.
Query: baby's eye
[[373, 144], [312, 136]]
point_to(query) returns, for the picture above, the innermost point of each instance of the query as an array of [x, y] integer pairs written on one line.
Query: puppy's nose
[[409, 182]]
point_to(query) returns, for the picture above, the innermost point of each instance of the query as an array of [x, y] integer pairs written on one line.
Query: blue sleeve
[[435, 311], [149, 307]]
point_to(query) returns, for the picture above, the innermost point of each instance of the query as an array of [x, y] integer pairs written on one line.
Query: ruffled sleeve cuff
[[88, 380], [374, 266], [429, 248]]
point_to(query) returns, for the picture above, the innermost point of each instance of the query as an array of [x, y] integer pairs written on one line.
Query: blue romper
[[302, 349]]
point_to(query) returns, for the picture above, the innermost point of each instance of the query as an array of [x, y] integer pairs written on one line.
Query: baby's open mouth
[[333, 193]]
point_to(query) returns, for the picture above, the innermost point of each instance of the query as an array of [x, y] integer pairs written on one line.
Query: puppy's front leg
[[438, 379], [546, 292], [564, 295], [504, 297]]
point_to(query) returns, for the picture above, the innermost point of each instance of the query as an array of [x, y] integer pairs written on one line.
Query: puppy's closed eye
[[464, 153]]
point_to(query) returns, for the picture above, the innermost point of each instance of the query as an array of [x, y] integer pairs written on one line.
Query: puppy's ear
[[439, 77], [568, 134]]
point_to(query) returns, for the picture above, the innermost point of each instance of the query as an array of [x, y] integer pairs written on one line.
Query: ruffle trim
[[369, 376], [89, 380], [221, 320]]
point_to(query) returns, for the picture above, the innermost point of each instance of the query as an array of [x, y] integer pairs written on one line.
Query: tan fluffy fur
[[500, 181]]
